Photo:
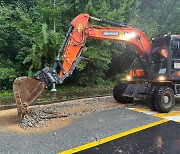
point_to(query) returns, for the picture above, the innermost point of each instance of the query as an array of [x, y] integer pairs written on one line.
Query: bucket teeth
[[26, 90]]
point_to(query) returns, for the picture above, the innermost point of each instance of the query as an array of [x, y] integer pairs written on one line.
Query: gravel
[[37, 116]]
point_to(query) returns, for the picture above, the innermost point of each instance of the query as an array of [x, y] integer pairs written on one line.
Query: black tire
[[151, 96], [118, 91], [164, 99]]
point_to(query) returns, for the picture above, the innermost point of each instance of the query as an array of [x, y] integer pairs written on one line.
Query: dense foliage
[[160, 16], [31, 32]]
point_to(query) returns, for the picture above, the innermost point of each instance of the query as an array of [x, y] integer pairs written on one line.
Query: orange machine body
[[137, 73], [81, 31]]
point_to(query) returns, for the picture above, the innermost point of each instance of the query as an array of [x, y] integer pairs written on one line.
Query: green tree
[[28, 39], [32, 32], [160, 16]]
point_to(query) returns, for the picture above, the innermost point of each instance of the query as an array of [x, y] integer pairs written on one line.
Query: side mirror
[[175, 45]]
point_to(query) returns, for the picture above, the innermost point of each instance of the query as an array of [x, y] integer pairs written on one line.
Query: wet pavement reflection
[[160, 139]]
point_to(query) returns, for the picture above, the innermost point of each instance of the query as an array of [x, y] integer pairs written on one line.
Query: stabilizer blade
[[26, 90]]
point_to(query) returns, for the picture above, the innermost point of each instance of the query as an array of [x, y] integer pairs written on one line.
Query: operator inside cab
[[159, 57], [159, 61]]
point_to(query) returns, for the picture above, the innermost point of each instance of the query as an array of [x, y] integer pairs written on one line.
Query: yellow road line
[[139, 109], [142, 110], [173, 113], [113, 137]]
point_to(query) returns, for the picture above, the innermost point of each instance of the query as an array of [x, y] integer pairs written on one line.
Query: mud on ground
[[44, 118]]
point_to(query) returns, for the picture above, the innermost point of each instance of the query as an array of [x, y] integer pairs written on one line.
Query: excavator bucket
[[26, 90]]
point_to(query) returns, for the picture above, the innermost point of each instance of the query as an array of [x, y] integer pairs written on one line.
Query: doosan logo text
[[106, 33]]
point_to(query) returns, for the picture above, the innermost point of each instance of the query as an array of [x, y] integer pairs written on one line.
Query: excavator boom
[[26, 89], [81, 31]]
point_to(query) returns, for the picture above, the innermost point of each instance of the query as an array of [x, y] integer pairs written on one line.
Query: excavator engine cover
[[26, 90]]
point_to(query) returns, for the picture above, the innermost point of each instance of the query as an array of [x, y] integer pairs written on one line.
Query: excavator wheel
[[164, 99], [118, 91], [26, 90], [151, 96]]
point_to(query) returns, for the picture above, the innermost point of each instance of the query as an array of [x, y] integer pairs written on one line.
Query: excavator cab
[[165, 59], [158, 59]]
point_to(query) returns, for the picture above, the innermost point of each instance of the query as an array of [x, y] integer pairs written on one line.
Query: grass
[[73, 91], [6, 93], [68, 91], [76, 89]]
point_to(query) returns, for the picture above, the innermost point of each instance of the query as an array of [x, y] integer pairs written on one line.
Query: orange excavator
[[158, 79]]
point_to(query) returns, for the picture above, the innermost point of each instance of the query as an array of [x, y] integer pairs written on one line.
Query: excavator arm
[[26, 89], [79, 31]]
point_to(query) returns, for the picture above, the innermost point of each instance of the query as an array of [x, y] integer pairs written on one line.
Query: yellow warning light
[[161, 78], [129, 78]]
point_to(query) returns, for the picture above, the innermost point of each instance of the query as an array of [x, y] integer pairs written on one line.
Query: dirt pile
[[43, 118], [37, 116]]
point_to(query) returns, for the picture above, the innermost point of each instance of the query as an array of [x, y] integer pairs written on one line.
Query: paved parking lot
[[112, 128]]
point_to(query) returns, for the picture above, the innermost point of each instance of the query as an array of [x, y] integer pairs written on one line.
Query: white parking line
[[174, 118]]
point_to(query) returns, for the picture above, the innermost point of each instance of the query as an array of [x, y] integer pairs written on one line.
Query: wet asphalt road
[[83, 130], [160, 139]]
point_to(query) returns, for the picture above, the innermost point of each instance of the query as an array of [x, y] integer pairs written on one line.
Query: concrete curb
[[12, 106]]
